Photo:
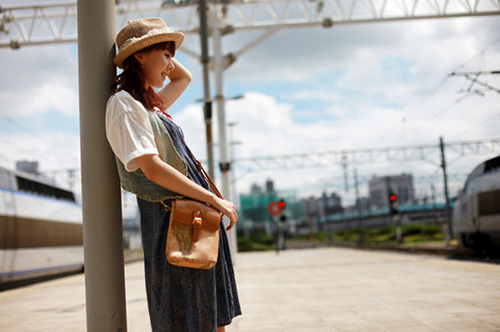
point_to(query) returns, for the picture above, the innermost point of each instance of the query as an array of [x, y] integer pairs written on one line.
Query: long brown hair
[[131, 79]]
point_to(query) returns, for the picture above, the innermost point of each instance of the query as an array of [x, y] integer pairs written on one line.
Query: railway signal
[[393, 207], [275, 208], [393, 204]]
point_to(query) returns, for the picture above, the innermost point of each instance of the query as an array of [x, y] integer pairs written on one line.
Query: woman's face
[[157, 65]]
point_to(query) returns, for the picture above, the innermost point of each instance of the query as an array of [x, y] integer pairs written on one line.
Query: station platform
[[322, 289]]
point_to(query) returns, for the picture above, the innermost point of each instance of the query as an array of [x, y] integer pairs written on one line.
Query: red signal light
[[393, 198], [275, 208]]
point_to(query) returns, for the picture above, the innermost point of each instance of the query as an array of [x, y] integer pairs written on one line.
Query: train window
[[44, 189], [489, 202], [492, 165]]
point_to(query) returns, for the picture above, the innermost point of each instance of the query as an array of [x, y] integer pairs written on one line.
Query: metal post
[[449, 234], [358, 208], [278, 241], [344, 166], [225, 162], [396, 219], [102, 222], [207, 105], [233, 173]]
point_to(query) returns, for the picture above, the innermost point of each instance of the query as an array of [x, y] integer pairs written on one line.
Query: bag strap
[[207, 177], [210, 182]]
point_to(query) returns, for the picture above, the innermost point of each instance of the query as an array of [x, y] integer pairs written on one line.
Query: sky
[[305, 90]]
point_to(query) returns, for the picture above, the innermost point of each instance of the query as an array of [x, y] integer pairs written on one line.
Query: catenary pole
[[207, 102], [449, 234], [102, 218], [225, 161], [358, 208]]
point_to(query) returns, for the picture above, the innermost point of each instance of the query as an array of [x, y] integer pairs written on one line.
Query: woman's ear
[[139, 57]]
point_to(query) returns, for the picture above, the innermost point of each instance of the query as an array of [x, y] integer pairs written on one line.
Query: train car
[[476, 214], [41, 231]]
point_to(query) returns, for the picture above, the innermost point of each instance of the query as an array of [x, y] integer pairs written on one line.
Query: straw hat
[[141, 33]]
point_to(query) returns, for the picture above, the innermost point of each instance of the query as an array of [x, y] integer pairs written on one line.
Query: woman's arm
[[168, 177], [180, 78]]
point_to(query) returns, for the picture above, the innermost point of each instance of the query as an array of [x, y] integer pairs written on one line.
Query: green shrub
[[416, 232], [258, 240], [244, 244], [259, 235]]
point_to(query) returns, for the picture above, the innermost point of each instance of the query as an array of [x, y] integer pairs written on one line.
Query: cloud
[[266, 127], [39, 80], [323, 95], [41, 148], [433, 47], [306, 90]]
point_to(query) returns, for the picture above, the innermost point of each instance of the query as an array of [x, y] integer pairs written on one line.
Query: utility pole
[[344, 166], [449, 233], [358, 208], [225, 160], [232, 143], [207, 102]]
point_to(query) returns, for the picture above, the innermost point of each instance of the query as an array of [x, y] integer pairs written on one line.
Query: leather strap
[[207, 177], [210, 182]]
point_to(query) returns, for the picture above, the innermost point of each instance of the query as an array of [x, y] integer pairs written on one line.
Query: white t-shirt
[[128, 129]]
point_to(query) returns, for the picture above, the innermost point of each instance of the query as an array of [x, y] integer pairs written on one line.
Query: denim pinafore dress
[[184, 299]]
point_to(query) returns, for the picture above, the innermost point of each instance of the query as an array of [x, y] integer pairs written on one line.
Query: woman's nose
[[171, 66]]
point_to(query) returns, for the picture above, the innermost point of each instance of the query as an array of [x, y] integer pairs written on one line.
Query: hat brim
[[141, 43]]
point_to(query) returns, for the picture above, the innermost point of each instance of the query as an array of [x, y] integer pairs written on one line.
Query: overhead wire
[[488, 119], [405, 114], [482, 123], [441, 112], [12, 121], [7, 140]]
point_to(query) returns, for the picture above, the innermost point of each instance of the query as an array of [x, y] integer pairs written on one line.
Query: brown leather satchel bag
[[193, 232]]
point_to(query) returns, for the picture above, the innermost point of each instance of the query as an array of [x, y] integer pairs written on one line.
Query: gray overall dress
[[184, 299]]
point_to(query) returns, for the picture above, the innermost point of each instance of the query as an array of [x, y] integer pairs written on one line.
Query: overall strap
[[205, 174], [210, 182]]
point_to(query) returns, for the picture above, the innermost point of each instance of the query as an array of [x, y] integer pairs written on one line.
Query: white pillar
[[102, 216], [224, 157]]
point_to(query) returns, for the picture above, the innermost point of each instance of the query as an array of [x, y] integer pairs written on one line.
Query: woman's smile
[[157, 66]]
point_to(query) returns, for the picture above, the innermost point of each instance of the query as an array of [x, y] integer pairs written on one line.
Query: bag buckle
[[197, 221]]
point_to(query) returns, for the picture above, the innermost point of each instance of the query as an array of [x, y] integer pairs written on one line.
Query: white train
[[40, 228], [476, 214]]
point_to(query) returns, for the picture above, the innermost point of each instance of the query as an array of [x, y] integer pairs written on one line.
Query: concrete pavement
[[324, 289], [335, 289]]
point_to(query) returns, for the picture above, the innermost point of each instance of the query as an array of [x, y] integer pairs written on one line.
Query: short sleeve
[[128, 129]]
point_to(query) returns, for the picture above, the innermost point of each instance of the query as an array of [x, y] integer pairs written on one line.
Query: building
[[253, 207], [362, 204], [27, 166], [254, 212], [382, 187], [323, 206]]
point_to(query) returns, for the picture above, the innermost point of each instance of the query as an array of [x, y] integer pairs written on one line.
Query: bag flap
[[184, 211]]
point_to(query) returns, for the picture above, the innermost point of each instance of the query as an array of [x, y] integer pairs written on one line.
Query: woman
[[159, 167]]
